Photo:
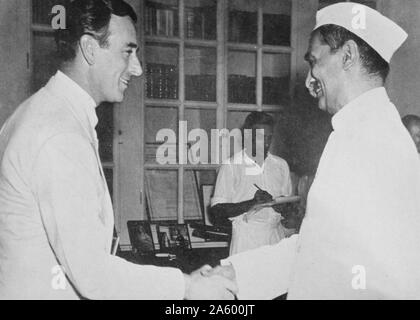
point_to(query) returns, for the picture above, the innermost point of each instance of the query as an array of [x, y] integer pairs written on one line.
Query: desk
[[186, 260]]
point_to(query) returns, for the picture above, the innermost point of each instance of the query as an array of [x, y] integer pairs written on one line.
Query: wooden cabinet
[[209, 63]]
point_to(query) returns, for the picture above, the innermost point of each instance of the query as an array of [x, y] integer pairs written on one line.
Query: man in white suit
[[360, 237], [56, 217]]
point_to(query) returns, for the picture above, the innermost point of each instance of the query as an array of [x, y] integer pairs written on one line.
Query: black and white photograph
[[174, 237], [141, 237], [240, 150]]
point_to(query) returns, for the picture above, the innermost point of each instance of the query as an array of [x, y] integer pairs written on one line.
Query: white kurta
[[235, 183], [55, 207], [360, 238]]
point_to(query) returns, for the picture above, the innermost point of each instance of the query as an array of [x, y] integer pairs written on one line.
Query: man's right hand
[[200, 285], [262, 196]]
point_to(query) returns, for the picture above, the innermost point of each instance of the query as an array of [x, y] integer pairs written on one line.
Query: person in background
[[360, 236], [412, 123], [243, 183], [56, 216]]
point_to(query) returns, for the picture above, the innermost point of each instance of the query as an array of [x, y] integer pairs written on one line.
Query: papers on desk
[[275, 201]]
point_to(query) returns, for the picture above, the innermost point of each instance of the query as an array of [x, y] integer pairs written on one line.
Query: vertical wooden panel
[[129, 148]]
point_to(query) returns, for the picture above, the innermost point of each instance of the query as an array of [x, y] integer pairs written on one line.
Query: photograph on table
[[174, 236], [141, 237]]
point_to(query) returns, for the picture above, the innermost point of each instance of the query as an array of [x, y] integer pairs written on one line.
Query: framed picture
[[206, 194], [174, 236], [141, 237]]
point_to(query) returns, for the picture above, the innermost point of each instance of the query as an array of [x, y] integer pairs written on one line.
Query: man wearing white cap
[[360, 238]]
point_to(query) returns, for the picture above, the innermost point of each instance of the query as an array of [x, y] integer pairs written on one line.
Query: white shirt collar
[[82, 103], [249, 161], [365, 107]]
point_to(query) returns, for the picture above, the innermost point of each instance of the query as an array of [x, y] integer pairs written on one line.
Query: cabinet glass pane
[[109, 176], [45, 59], [198, 187], [200, 19], [277, 22], [241, 77], [243, 21], [162, 194], [200, 153], [162, 76], [105, 131], [276, 78], [192, 204], [156, 119], [42, 10], [161, 18], [200, 74]]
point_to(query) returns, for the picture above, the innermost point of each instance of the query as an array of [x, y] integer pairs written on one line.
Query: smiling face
[[116, 63], [323, 80]]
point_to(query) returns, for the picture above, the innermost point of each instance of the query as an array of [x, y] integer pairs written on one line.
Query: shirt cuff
[[264, 273]]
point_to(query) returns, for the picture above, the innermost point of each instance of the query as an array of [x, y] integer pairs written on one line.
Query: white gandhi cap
[[381, 33]]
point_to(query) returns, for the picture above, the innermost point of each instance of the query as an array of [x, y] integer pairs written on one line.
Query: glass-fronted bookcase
[[208, 63]]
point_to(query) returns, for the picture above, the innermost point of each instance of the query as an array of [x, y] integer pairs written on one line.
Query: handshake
[[209, 283]]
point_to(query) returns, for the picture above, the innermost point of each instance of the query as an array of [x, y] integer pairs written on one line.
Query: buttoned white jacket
[[55, 209], [360, 238]]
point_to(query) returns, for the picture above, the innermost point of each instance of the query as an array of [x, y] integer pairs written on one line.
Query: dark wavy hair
[[258, 117], [335, 37], [89, 17]]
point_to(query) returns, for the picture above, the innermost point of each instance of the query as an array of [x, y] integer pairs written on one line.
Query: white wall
[[14, 46], [404, 81]]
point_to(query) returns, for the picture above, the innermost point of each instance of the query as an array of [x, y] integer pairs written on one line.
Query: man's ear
[[350, 54], [88, 46]]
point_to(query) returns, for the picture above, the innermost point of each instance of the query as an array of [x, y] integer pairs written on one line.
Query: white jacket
[[55, 208], [360, 238]]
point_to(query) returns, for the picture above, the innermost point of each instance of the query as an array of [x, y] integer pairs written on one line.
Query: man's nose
[[135, 68]]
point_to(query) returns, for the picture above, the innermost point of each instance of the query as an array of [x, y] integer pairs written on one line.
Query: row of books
[[277, 29], [161, 81], [241, 89], [161, 20], [201, 23], [243, 28]]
